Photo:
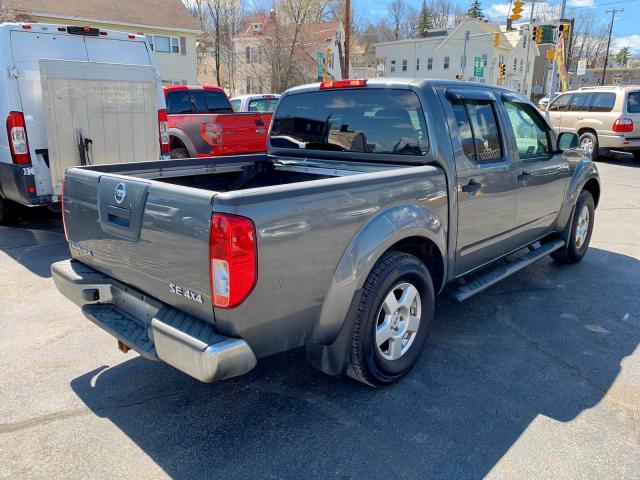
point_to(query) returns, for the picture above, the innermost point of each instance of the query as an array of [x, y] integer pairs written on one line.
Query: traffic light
[[516, 10], [458, 77], [502, 69], [496, 40], [537, 34]]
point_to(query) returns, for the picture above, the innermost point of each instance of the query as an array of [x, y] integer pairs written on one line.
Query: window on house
[[521, 65], [485, 59], [446, 63], [163, 44], [404, 65], [417, 64], [252, 54], [393, 66], [429, 63], [515, 64]]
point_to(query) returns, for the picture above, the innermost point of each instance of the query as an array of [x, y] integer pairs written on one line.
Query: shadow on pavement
[[36, 241], [548, 341]]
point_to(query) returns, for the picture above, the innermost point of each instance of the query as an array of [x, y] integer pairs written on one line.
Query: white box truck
[[73, 95]]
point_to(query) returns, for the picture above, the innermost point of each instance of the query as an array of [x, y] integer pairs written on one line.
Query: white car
[[255, 103], [72, 95]]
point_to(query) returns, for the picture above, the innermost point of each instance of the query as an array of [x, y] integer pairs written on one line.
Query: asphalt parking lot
[[539, 377]]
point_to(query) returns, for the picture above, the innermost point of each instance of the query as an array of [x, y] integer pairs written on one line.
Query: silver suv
[[605, 118]]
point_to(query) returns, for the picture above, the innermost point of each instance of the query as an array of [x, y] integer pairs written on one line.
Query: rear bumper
[[152, 328], [618, 142]]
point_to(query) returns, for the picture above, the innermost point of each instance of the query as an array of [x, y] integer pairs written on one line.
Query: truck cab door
[[542, 172], [485, 176]]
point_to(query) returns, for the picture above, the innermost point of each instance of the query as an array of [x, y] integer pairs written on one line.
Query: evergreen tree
[[425, 21], [623, 56], [475, 10]]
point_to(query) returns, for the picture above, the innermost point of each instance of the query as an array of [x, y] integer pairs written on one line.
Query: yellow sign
[[496, 40], [562, 68], [551, 54]]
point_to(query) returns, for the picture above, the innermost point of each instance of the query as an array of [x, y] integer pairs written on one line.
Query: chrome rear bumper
[[153, 329]]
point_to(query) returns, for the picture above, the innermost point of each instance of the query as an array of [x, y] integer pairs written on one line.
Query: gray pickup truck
[[373, 197]]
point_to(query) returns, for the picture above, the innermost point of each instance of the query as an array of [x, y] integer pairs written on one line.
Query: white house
[[441, 55]]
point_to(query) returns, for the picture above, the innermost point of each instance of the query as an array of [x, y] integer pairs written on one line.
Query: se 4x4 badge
[[185, 292]]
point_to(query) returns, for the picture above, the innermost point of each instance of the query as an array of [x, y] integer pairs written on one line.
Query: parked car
[[373, 196], [605, 118], [202, 123], [255, 103], [116, 112]]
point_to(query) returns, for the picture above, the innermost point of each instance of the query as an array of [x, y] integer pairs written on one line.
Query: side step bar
[[503, 271]]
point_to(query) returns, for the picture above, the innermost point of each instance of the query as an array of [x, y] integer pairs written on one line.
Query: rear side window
[[236, 104], [263, 105], [217, 102], [179, 102], [579, 102], [633, 102], [363, 120], [602, 102], [478, 130]]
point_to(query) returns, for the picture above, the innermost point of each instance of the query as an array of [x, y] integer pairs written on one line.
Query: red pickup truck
[[201, 123]]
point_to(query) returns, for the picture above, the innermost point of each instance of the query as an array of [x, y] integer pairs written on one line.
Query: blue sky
[[626, 28]]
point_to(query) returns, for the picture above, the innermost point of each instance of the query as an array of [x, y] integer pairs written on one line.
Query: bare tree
[[397, 11], [440, 12]]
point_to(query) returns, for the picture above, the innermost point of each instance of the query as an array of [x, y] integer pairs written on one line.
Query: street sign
[[478, 67], [551, 54], [582, 67]]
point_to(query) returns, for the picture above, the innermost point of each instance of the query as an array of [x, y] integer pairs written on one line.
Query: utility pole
[[554, 66], [526, 63], [613, 12], [347, 36], [467, 36]]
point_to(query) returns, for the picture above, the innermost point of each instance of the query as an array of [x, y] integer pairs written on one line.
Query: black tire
[[179, 153], [9, 212], [367, 364], [594, 140], [573, 253]]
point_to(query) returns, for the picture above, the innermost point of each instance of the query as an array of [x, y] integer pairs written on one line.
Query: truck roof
[[61, 28], [404, 83]]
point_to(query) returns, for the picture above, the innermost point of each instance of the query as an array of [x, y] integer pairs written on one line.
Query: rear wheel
[[179, 153], [581, 229], [589, 142], [9, 212], [392, 321]]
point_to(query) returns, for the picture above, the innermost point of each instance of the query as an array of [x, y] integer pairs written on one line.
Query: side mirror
[[567, 141]]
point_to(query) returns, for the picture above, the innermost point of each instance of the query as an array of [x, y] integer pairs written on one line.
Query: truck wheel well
[[428, 252], [593, 188], [175, 142]]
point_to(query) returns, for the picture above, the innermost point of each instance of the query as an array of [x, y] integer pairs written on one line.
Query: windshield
[[349, 120]]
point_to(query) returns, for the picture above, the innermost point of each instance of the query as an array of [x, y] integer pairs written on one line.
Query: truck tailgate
[[153, 236], [244, 132]]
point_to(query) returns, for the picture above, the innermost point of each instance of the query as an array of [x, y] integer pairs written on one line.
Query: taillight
[[211, 133], [18, 142], [233, 268], [343, 84], [165, 146], [623, 125]]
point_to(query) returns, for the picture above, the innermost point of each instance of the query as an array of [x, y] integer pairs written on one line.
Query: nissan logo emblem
[[120, 193]]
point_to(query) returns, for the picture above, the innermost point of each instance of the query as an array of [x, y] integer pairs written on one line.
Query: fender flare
[[183, 137], [332, 332], [584, 172]]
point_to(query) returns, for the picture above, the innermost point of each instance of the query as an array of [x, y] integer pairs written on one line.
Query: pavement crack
[[76, 412]]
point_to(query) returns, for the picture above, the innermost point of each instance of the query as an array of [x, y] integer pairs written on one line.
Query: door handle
[[471, 187], [524, 176]]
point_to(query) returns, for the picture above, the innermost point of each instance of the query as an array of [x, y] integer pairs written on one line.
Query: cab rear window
[[197, 101], [352, 120]]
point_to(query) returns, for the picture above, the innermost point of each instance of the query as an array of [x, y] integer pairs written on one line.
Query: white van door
[[98, 113], [27, 48]]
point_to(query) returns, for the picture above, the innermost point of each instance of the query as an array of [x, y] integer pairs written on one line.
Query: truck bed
[[305, 211]]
